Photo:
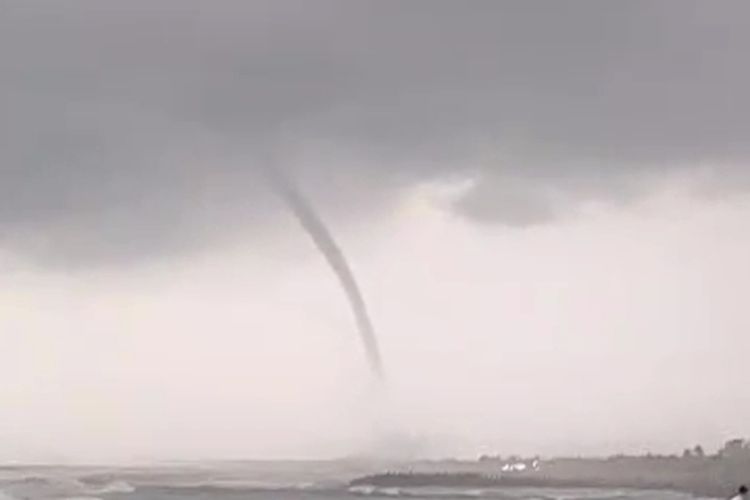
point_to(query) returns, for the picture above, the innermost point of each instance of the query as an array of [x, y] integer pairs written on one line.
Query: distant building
[[696, 452], [736, 448]]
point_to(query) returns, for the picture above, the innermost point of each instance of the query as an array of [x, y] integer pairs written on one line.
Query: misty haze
[[326, 249]]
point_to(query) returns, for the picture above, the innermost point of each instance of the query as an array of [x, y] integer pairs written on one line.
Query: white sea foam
[[390, 492], [362, 490], [115, 487]]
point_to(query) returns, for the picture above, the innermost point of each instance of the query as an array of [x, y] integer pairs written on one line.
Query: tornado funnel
[[321, 236]]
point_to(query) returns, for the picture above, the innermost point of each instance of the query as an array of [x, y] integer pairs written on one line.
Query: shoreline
[[705, 483]]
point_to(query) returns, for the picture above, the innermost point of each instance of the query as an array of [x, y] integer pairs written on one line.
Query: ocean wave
[[242, 485], [6, 496], [362, 490], [60, 487], [34, 486], [381, 492], [366, 490], [391, 492], [114, 487]]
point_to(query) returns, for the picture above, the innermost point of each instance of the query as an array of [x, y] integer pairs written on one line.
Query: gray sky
[[546, 203]]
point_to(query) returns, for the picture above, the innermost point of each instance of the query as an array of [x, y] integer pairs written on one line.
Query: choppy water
[[257, 481]]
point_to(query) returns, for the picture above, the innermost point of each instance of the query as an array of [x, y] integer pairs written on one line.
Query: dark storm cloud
[[132, 128]]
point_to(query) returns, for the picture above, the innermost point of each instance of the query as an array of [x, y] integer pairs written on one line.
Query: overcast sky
[[546, 203]]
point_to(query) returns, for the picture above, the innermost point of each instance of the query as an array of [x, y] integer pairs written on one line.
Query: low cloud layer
[[133, 129]]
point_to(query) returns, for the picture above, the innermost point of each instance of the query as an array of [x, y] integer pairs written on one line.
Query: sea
[[257, 481]]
